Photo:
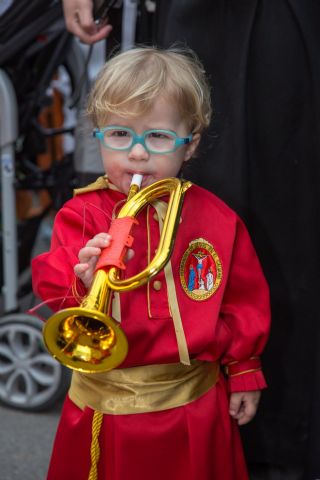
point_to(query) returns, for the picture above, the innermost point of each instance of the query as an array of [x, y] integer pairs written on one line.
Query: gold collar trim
[[99, 184]]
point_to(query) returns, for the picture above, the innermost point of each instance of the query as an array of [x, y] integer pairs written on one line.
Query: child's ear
[[192, 146]]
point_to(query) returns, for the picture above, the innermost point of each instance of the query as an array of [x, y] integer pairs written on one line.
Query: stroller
[[34, 48]]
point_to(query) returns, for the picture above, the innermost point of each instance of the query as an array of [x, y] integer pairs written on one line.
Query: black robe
[[262, 156]]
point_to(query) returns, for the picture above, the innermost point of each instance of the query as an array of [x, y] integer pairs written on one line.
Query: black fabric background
[[261, 155]]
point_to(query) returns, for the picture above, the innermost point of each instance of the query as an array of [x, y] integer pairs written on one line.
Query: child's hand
[[88, 257], [243, 405]]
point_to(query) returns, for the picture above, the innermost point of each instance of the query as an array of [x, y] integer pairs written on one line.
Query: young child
[[195, 330]]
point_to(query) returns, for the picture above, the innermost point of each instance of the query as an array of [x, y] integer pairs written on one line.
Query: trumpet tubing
[[87, 338]]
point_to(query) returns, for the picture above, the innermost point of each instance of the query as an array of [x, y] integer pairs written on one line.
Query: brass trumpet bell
[[87, 338]]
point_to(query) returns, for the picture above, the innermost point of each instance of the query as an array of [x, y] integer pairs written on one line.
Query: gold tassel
[[95, 447]]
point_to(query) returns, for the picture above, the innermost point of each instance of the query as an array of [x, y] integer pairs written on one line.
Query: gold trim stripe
[[172, 295], [149, 259], [244, 371]]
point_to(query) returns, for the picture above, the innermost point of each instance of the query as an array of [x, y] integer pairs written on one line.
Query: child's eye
[[119, 133], [160, 135]]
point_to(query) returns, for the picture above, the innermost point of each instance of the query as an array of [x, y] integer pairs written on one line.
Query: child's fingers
[[85, 271], [88, 257], [94, 247], [100, 240], [243, 406], [86, 253], [247, 414], [129, 255], [80, 269], [235, 404]]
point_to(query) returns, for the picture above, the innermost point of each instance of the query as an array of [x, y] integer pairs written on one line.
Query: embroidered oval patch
[[200, 270]]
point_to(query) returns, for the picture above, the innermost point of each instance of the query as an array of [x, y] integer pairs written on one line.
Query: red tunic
[[230, 324]]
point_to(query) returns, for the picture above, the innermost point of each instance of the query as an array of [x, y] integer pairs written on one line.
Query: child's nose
[[138, 152]]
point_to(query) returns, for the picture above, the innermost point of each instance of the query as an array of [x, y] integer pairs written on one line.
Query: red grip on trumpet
[[121, 240]]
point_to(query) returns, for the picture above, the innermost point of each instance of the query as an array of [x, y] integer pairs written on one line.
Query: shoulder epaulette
[[99, 184]]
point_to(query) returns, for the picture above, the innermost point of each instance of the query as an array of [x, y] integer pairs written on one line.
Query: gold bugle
[[86, 338]]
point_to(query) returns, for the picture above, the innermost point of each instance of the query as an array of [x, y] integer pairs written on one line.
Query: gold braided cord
[[95, 447]]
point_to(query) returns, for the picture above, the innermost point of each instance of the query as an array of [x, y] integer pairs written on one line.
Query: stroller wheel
[[30, 379]]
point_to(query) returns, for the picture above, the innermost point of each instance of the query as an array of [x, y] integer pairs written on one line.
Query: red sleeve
[[246, 314], [52, 272]]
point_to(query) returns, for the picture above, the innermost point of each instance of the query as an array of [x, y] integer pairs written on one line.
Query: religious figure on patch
[[200, 256], [210, 279], [192, 276]]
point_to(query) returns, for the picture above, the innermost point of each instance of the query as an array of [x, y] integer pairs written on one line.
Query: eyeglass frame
[[140, 139]]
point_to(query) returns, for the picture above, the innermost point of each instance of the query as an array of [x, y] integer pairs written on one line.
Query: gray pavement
[[26, 441], [26, 438]]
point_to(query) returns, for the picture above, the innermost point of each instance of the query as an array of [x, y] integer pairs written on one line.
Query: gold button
[[155, 216], [157, 285]]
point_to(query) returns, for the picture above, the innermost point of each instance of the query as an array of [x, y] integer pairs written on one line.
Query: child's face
[[121, 165]]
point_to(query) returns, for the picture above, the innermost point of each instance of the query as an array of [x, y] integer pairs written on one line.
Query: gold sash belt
[[147, 388]]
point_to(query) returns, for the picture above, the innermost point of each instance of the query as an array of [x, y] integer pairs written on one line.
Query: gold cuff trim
[[141, 389], [245, 371], [234, 362]]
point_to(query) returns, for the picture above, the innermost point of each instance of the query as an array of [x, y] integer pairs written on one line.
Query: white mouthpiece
[[137, 179]]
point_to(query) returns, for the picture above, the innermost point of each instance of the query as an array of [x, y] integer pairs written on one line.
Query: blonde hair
[[131, 81]]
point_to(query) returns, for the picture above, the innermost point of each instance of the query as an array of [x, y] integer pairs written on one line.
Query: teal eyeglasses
[[154, 141]]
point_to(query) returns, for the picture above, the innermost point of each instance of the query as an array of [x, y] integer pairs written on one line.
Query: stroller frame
[[8, 138], [48, 45]]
